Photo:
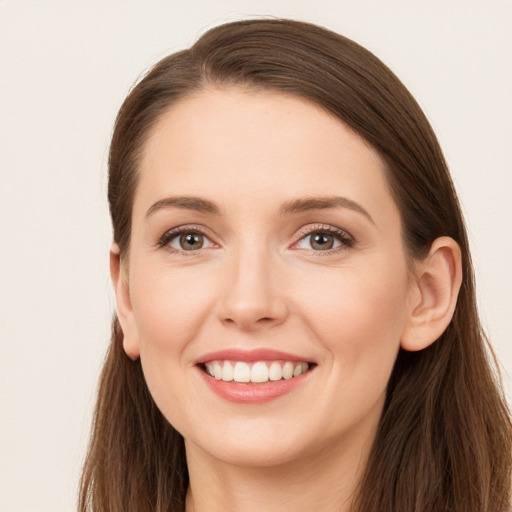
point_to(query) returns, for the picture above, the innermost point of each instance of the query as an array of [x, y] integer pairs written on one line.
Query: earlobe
[[123, 304], [434, 297]]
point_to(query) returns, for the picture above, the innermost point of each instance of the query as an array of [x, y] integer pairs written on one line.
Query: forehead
[[234, 143]]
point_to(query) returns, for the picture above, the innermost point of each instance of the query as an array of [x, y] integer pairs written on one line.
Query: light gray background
[[66, 66]]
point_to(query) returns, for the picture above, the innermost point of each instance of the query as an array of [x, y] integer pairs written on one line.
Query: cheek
[[359, 316], [170, 306], [359, 320]]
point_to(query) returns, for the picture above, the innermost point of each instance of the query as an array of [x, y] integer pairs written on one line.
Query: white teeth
[[242, 372], [257, 372], [300, 369], [288, 370], [275, 372], [227, 372]]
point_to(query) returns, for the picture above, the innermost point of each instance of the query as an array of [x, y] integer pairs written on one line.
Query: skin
[[258, 282]]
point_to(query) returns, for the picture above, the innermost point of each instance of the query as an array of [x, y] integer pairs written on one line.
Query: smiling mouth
[[257, 372]]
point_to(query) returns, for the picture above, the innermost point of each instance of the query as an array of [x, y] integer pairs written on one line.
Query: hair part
[[445, 437]]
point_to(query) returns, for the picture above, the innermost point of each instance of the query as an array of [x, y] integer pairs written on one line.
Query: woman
[[296, 322]]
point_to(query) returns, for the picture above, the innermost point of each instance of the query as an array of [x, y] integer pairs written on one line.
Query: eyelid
[[347, 240], [170, 234]]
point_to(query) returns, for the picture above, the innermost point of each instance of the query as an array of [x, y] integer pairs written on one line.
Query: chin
[[249, 454], [257, 442]]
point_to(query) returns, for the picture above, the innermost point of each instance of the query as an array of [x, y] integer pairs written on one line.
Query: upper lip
[[259, 354]]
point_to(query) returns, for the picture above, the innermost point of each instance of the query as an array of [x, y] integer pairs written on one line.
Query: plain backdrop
[[65, 67]]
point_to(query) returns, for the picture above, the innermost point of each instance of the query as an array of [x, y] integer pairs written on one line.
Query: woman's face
[[264, 241]]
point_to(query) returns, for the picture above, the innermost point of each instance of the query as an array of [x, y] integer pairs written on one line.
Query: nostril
[[252, 314], [260, 321]]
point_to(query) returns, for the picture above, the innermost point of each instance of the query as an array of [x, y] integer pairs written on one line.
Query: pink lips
[[259, 354], [251, 393]]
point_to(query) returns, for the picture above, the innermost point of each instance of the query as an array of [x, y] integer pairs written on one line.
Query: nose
[[253, 297]]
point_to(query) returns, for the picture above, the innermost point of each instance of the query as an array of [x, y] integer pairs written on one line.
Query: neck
[[326, 481]]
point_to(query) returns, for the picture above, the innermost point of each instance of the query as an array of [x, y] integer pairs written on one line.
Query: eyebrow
[[185, 202], [323, 203], [291, 207]]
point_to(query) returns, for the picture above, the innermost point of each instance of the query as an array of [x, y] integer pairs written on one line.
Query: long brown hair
[[445, 438]]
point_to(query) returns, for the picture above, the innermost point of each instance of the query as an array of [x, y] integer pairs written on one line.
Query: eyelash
[[165, 240], [346, 240]]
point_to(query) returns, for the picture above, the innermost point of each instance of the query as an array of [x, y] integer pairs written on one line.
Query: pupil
[[322, 241], [191, 241]]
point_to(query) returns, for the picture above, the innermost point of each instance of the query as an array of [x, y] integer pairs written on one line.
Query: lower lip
[[242, 393]]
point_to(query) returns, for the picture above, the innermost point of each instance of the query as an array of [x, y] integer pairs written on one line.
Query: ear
[[118, 273], [434, 294]]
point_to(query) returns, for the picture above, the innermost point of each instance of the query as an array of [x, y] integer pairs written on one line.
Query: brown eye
[[185, 239], [321, 241], [190, 241]]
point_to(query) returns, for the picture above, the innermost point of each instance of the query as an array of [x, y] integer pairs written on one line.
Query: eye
[[319, 242], [325, 239], [186, 240]]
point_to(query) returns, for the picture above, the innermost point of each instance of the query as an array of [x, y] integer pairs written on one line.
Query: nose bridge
[[251, 296]]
